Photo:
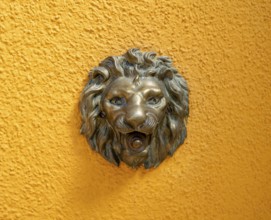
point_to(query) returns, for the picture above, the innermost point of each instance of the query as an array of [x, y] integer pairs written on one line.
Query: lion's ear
[[99, 73], [168, 73]]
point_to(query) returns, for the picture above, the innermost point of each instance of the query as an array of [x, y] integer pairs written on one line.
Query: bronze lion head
[[134, 109]]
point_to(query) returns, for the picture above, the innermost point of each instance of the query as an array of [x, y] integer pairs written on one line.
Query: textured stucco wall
[[223, 171]]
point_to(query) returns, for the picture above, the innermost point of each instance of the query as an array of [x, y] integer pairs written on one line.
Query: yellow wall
[[47, 170]]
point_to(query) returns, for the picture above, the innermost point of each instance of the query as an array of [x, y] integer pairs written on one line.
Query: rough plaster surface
[[223, 171]]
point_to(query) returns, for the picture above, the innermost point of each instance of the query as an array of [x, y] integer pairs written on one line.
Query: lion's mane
[[171, 132]]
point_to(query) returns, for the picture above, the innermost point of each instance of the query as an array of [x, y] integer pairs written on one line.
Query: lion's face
[[134, 108]]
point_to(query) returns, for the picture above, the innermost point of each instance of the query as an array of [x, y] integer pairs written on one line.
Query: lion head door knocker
[[134, 109]]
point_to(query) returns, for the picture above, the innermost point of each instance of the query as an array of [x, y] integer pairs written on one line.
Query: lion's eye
[[117, 101], [153, 100]]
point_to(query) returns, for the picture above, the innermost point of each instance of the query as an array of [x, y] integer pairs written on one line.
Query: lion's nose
[[135, 117]]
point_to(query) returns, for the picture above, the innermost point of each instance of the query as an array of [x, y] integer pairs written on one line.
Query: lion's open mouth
[[137, 141]]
